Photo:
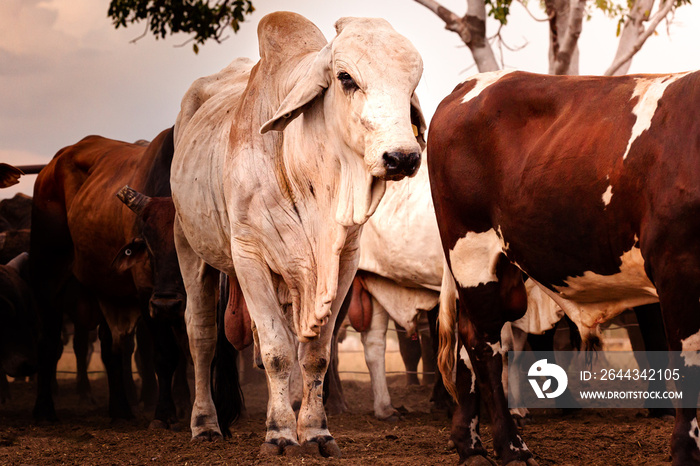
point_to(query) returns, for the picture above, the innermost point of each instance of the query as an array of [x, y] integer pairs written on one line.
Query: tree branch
[[136, 39], [541, 20], [452, 22], [664, 10]]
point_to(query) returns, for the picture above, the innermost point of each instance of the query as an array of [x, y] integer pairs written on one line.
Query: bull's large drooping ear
[[342, 22], [311, 85], [418, 121], [130, 255]]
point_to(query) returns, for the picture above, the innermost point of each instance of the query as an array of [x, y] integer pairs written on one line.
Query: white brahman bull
[[276, 168], [401, 265]]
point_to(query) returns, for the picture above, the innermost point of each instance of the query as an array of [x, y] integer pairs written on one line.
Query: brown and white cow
[[590, 186], [401, 268], [79, 229], [276, 168]]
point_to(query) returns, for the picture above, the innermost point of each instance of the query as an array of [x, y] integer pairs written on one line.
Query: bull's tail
[[226, 388], [447, 320]]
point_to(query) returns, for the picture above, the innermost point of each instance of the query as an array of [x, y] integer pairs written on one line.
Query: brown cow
[[590, 185], [78, 229]]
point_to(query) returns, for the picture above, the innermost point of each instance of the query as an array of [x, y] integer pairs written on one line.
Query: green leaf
[[203, 19]]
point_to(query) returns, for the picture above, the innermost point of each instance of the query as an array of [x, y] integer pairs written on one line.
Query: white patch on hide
[[495, 347], [522, 442], [601, 297], [473, 258], [607, 196], [690, 347], [475, 439], [649, 92], [483, 81], [464, 356], [694, 432]]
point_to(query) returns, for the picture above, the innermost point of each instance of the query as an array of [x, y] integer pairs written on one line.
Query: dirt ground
[[85, 435]]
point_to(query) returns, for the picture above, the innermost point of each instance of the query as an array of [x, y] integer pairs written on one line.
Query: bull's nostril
[[413, 161], [391, 160]]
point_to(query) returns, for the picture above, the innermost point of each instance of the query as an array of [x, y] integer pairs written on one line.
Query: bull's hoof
[[207, 436], [329, 449], [44, 412], [324, 446], [293, 450], [391, 415], [269, 449], [277, 447], [45, 418], [157, 424], [478, 460], [521, 421], [311, 449], [121, 414]]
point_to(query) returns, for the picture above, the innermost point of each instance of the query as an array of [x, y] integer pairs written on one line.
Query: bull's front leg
[[481, 316], [314, 356], [312, 425], [277, 350], [276, 344]]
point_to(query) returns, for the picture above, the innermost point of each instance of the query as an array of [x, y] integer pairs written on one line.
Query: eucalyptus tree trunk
[[471, 28], [633, 29], [565, 25], [635, 34]]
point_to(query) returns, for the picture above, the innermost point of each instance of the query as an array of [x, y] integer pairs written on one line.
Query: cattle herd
[[537, 197]]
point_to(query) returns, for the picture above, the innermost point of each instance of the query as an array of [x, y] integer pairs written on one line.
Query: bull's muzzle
[[400, 164], [167, 307], [20, 365]]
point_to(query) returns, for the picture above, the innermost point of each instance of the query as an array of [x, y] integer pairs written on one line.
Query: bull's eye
[[347, 82]]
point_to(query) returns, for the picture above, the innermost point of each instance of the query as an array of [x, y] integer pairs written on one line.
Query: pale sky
[[66, 73]]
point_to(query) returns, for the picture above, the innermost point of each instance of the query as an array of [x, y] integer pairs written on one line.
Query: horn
[[19, 262], [133, 199]]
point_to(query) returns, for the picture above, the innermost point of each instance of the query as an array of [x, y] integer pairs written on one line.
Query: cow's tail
[[226, 387], [447, 321]]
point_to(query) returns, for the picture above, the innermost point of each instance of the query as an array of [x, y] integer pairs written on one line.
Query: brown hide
[[75, 198], [360, 312], [237, 320], [78, 227]]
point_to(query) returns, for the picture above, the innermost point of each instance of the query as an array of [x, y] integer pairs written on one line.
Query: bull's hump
[[283, 35]]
